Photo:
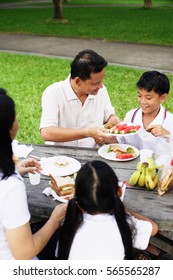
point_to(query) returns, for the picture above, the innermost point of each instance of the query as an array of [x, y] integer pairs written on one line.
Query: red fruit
[[128, 128], [124, 156], [137, 127], [121, 127], [172, 162]]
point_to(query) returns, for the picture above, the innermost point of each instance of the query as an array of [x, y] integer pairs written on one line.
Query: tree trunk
[[147, 3], [57, 9]]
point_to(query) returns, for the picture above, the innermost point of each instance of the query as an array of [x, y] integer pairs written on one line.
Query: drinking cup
[[145, 154], [34, 178]]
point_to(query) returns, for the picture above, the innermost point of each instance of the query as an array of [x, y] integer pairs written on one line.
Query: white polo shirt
[[62, 108], [144, 139]]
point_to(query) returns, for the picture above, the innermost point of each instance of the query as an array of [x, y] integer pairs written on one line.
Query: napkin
[[21, 151], [48, 192]]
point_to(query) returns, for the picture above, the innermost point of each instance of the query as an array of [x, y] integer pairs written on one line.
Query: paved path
[[126, 54]]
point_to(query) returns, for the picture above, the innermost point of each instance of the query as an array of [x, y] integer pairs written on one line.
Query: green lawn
[[93, 2], [125, 24], [25, 77]]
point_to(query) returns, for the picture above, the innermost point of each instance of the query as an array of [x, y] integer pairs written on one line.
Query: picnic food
[[165, 180], [145, 174], [124, 128], [109, 125], [61, 163], [120, 153], [63, 186]]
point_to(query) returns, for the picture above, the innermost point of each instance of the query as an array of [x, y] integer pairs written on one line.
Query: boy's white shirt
[[144, 139]]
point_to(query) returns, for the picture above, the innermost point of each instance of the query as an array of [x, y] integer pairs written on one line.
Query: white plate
[[102, 151], [52, 165], [125, 134]]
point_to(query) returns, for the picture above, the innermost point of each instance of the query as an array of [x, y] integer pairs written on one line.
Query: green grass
[[93, 2], [25, 77], [125, 24]]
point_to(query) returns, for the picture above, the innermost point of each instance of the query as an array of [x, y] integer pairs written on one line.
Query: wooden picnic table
[[138, 199]]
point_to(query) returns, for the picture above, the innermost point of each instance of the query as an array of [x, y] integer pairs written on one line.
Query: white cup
[[34, 178], [145, 154]]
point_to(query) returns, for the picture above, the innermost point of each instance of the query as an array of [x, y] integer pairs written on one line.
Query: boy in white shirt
[[155, 121]]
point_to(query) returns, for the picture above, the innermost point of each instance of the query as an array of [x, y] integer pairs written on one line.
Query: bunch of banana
[[145, 174]]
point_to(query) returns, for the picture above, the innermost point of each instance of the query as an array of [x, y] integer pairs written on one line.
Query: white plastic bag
[[164, 150]]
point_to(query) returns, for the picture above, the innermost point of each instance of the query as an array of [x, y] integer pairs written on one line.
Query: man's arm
[[60, 134]]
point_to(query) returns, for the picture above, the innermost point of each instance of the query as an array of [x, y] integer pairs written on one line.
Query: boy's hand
[[157, 130]]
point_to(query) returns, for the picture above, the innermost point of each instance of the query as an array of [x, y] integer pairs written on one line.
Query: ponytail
[[69, 228], [126, 234]]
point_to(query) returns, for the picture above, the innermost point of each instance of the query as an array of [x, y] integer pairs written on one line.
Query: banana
[[152, 166], [145, 174], [151, 163], [139, 165], [155, 181], [152, 173], [141, 180], [134, 177], [149, 182]]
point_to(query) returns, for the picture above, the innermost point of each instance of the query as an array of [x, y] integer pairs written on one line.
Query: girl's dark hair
[[7, 117], [154, 80], [96, 192], [85, 63]]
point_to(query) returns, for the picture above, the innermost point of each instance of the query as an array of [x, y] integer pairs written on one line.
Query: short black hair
[[85, 63], [154, 80]]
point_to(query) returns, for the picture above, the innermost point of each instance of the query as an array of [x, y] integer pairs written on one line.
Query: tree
[[148, 4], [58, 14]]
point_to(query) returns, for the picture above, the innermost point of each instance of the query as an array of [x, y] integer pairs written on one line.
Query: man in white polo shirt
[[74, 110]]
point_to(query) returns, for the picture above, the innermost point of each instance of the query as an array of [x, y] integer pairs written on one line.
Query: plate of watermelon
[[118, 152], [124, 129]]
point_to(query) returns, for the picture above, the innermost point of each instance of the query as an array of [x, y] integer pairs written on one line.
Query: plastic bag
[[164, 151]]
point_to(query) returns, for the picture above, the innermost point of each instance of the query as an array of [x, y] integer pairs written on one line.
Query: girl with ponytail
[[97, 225]]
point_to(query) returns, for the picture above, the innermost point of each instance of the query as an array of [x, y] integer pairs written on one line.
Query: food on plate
[[109, 125], [145, 174], [120, 153], [61, 163], [165, 180], [124, 128], [124, 156], [63, 186]]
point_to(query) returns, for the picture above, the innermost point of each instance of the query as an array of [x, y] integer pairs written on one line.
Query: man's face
[[92, 85]]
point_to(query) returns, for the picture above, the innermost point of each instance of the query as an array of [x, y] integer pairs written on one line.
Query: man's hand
[[101, 136]]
